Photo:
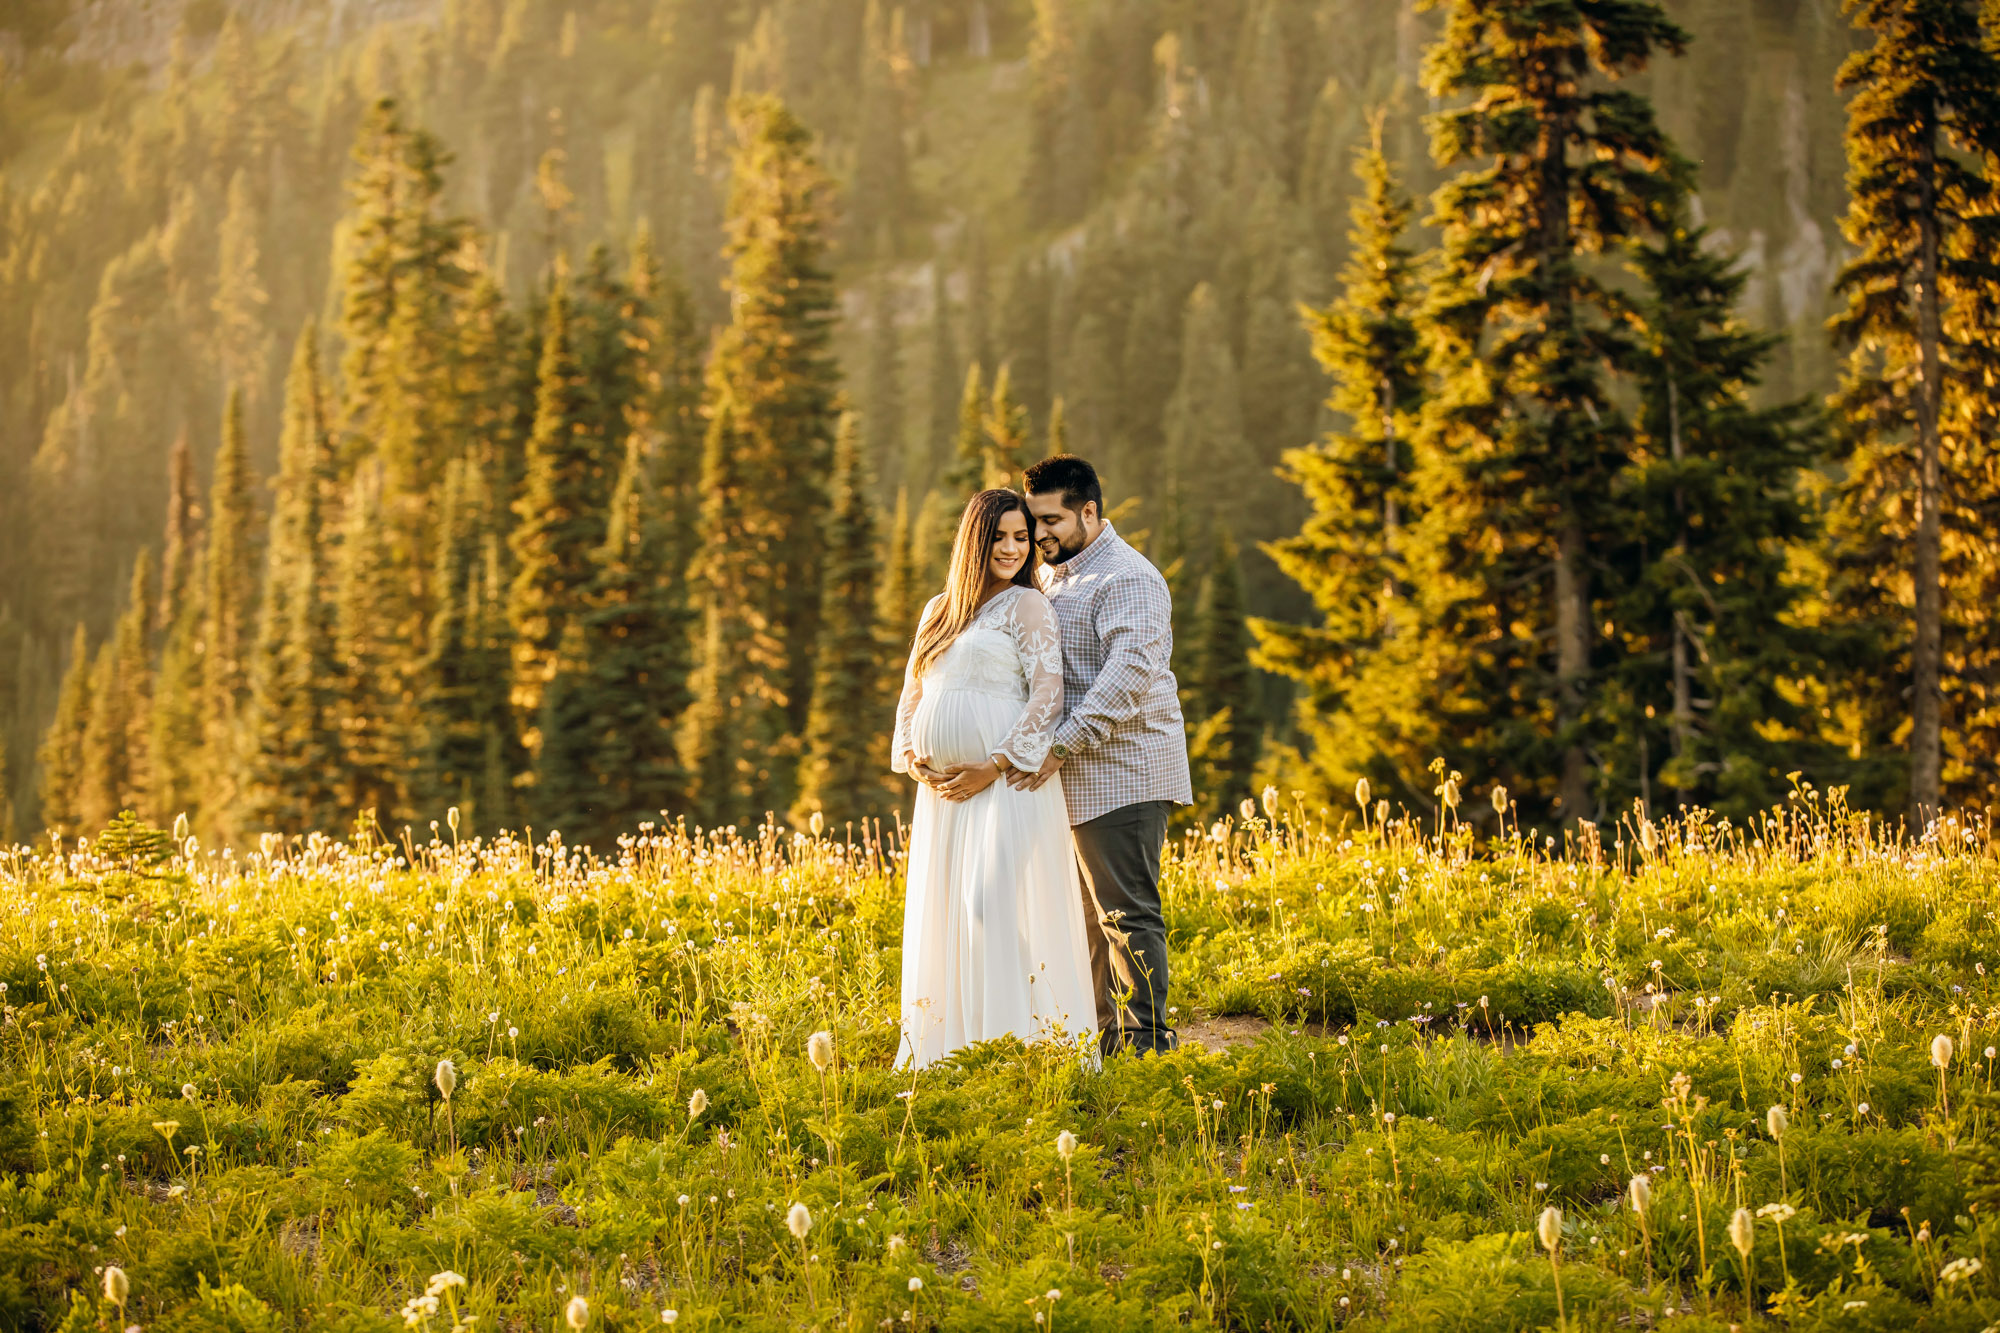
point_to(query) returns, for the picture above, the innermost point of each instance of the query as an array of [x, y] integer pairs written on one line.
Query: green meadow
[[508, 1084]]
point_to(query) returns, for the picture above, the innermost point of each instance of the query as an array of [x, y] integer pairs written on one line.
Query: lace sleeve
[[1032, 623], [902, 748]]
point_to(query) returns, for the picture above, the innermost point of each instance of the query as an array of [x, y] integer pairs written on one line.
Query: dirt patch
[[1219, 1034]]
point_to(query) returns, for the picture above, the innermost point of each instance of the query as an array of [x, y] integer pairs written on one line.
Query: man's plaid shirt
[[1121, 719]]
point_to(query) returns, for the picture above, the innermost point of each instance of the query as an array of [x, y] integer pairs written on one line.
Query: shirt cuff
[[1073, 738]]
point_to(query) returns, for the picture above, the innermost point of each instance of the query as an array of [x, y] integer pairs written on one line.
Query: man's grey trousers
[[1120, 856]]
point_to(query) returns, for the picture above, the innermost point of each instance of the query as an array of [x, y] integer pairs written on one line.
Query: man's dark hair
[[1075, 478]]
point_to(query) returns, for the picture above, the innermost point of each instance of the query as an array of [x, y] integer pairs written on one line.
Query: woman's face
[[1011, 545]]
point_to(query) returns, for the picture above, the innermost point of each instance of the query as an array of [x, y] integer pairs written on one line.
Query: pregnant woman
[[993, 934]]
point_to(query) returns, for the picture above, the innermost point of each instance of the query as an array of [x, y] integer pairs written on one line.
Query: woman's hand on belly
[[965, 781], [930, 773]]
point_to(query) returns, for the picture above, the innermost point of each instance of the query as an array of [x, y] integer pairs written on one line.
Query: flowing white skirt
[[993, 938]]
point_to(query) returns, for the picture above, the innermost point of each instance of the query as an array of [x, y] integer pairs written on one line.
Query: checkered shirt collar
[[1082, 559]]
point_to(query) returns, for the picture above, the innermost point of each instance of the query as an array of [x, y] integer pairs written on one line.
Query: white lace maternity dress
[[993, 938]]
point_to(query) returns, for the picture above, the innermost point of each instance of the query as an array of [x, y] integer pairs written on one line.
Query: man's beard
[[1063, 552]]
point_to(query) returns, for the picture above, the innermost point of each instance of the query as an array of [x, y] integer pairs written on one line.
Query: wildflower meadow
[[1678, 1073]]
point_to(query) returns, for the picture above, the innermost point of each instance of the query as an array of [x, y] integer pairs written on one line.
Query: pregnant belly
[[961, 726]]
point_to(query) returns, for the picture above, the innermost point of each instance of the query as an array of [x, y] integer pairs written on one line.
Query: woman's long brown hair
[[971, 550]]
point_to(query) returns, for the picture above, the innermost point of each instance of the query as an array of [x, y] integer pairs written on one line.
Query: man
[[1121, 745]]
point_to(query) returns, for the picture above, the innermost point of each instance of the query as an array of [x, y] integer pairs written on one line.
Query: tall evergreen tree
[[114, 768], [1923, 137], [174, 739], [293, 753], [61, 754], [492, 395], [730, 735], [373, 774], [466, 675], [178, 554], [101, 772], [496, 804], [608, 333], [991, 444], [398, 292], [1518, 454], [134, 643], [672, 346], [772, 386], [178, 777], [970, 464], [229, 608], [559, 518], [842, 774], [1700, 592], [402, 287], [636, 643], [1352, 712]]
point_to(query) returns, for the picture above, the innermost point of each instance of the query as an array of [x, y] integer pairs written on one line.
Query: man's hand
[[1020, 778], [962, 782]]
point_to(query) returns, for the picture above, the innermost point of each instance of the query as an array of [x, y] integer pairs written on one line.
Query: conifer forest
[[561, 412]]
